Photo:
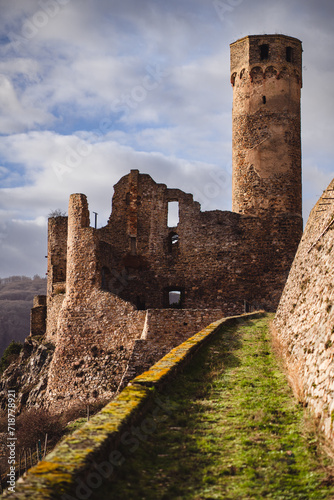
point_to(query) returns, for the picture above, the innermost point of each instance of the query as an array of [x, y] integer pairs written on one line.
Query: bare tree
[[57, 213]]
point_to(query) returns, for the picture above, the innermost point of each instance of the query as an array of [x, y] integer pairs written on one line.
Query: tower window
[[264, 99], [288, 55], [264, 51]]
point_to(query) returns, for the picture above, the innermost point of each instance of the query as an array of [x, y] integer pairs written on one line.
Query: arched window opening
[[264, 51], [173, 241], [264, 99], [289, 54], [173, 214], [105, 278], [175, 299], [233, 77]]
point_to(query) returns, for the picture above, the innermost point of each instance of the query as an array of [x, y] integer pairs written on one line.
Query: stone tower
[[266, 78]]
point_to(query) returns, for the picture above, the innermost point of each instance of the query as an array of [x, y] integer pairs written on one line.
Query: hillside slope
[[16, 299]]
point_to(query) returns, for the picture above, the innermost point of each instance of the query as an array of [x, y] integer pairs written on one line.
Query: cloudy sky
[[90, 89]]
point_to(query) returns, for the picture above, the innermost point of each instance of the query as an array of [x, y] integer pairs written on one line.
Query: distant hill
[[16, 299]]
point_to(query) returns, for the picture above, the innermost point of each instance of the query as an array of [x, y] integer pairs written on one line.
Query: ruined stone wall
[[171, 326], [266, 72], [213, 259], [102, 281], [163, 330], [38, 316], [94, 343], [98, 333], [95, 329], [57, 251], [220, 259], [53, 312], [304, 321], [82, 249], [57, 261]]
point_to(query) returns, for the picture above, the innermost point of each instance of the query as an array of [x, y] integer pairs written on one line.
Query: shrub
[[33, 424], [10, 354]]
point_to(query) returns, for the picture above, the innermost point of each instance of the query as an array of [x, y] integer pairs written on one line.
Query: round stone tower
[[266, 78]]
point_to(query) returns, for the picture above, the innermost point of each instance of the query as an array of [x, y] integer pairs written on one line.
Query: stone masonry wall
[[114, 275], [53, 313], [163, 330], [98, 334], [57, 261], [38, 316], [304, 322], [57, 251], [95, 340], [171, 326], [237, 258], [95, 330]]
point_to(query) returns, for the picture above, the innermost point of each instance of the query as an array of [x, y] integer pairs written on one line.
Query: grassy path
[[234, 432]]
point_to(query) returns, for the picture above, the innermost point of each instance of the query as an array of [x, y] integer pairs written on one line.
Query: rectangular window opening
[[173, 214], [264, 51], [174, 298], [289, 54], [133, 245]]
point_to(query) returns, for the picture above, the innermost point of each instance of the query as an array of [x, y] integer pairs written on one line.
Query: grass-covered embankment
[[233, 431]]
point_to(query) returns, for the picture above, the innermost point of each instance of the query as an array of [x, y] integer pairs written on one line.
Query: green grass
[[234, 431]]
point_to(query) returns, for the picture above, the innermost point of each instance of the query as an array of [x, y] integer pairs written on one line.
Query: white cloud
[[57, 165], [15, 114], [22, 248]]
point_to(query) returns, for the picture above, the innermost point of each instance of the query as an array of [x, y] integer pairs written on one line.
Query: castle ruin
[[119, 297]]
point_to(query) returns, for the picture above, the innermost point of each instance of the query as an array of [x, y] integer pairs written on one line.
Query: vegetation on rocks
[[11, 353]]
